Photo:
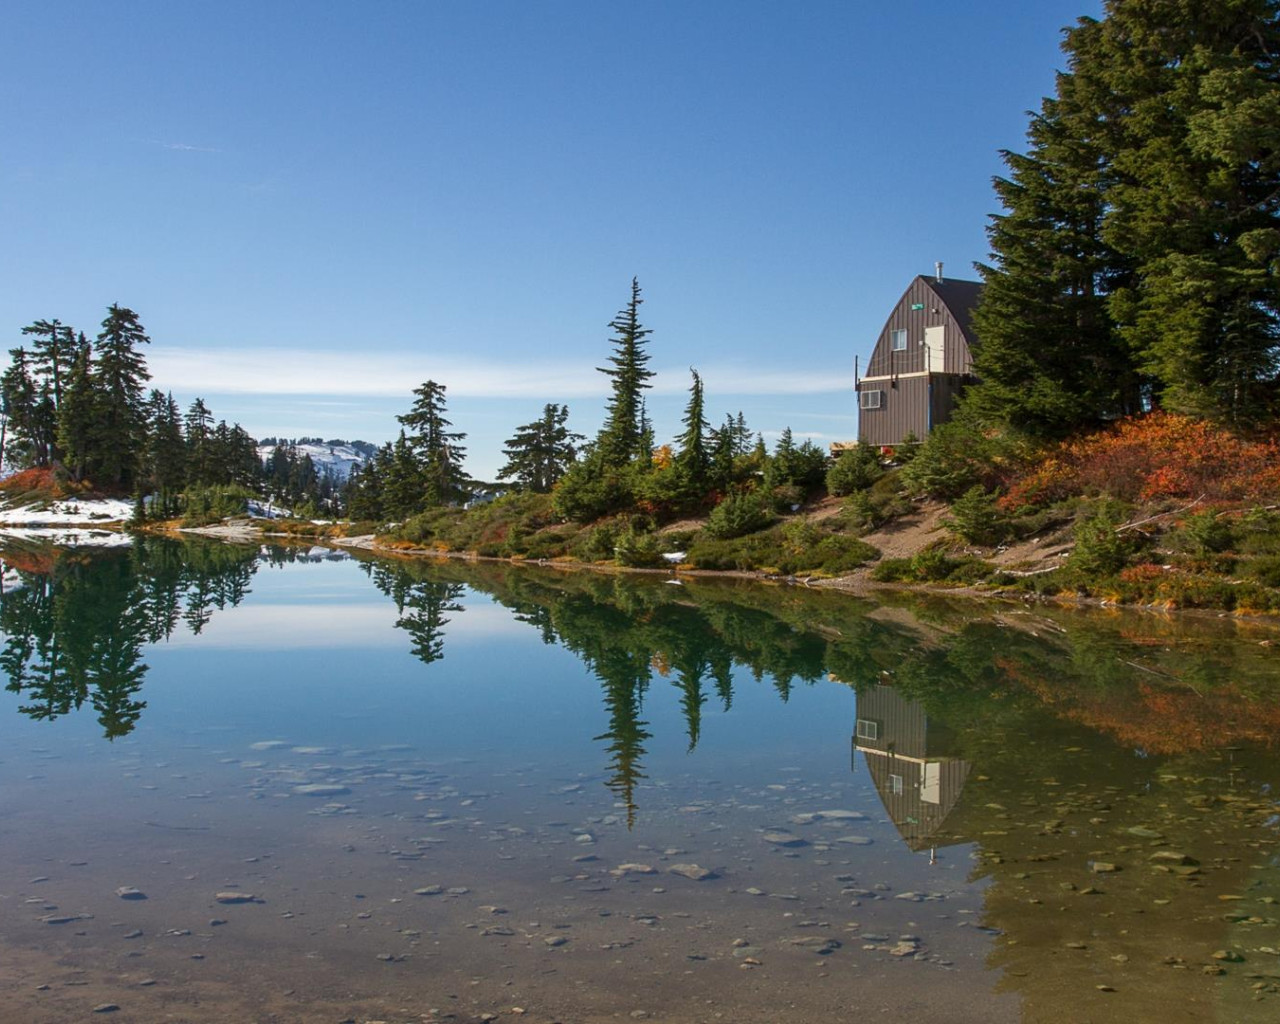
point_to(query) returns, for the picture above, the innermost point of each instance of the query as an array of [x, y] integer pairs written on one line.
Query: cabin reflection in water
[[912, 762]]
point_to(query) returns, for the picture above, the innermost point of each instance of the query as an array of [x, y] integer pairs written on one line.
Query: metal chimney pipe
[[937, 272]]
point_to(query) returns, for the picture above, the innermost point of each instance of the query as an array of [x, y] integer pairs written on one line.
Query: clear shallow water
[[909, 807]]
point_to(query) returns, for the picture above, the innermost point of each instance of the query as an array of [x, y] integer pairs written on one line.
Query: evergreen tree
[[403, 484], [18, 394], [693, 461], [436, 448], [166, 459], [78, 416], [1050, 360], [539, 453], [120, 373], [724, 443], [1136, 261], [53, 350], [621, 438], [1189, 98], [198, 433]]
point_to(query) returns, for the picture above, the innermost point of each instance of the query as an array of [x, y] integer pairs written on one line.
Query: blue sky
[[315, 206]]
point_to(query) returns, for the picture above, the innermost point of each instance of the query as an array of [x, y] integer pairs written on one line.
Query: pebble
[[237, 897], [106, 1008], [128, 892], [1103, 867], [855, 840], [429, 890], [634, 869], [555, 940], [691, 871], [780, 838], [320, 789]]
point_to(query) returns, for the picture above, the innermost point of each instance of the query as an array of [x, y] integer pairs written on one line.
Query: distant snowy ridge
[[338, 459]]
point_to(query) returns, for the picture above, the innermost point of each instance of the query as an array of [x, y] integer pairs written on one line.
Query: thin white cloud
[[282, 371], [187, 148]]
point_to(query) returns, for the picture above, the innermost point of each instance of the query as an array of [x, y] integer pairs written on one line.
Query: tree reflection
[[74, 626]]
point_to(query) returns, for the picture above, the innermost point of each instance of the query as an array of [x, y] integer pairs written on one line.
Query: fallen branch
[[1162, 515]]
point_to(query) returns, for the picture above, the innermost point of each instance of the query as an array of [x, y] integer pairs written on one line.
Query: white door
[[935, 343], [931, 791]]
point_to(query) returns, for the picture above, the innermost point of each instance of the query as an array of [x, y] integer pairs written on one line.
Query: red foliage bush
[[43, 481], [1155, 456]]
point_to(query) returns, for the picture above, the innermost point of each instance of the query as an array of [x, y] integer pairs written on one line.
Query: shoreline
[[855, 584]]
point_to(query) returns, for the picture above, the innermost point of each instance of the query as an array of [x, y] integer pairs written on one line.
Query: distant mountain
[[336, 455]]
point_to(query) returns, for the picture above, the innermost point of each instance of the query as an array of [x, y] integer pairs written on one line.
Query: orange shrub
[[1155, 456]]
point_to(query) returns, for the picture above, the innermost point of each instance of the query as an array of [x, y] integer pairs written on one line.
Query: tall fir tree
[[438, 450], [166, 460], [53, 350], [120, 374], [693, 460], [1137, 262], [539, 453], [18, 395], [78, 417], [621, 438]]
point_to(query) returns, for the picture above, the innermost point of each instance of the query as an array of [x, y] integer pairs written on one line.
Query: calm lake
[[243, 784]]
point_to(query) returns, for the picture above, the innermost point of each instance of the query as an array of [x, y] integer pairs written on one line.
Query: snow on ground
[[69, 512], [268, 510], [68, 537]]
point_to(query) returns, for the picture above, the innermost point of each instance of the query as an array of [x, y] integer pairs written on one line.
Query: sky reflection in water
[[995, 761]]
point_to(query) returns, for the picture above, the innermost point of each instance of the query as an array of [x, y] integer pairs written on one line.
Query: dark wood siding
[[916, 393], [904, 407], [933, 312]]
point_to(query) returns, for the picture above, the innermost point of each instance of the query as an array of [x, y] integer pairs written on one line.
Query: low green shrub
[[738, 514], [977, 519], [855, 470], [932, 565]]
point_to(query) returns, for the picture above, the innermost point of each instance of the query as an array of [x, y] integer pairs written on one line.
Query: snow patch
[[68, 512]]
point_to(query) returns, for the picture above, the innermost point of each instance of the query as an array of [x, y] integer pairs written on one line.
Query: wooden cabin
[[921, 363]]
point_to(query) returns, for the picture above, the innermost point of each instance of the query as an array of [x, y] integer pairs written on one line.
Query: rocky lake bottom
[[508, 798]]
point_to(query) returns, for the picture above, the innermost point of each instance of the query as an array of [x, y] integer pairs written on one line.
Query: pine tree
[[693, 460], [18, 394], [53, 350], [436, 448], [198, 434], [403, 481], [724, 443], [1136, 261], [1189, 95], [539, 453], [621, 437], [78, 417], [166, 459], [119, 375], [1050, 360]]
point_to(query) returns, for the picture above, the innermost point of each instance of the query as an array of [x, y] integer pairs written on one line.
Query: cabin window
[[895, 785], [868, 730], [870, 399], [898, 339]]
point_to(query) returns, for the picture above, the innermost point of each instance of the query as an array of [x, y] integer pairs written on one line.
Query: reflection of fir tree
[[425, 620], [75, 631], [422, 605]]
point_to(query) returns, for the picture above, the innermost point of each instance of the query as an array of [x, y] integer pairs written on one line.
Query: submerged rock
[[691, 871], [779, 837], [237, 897], [320, 789]]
